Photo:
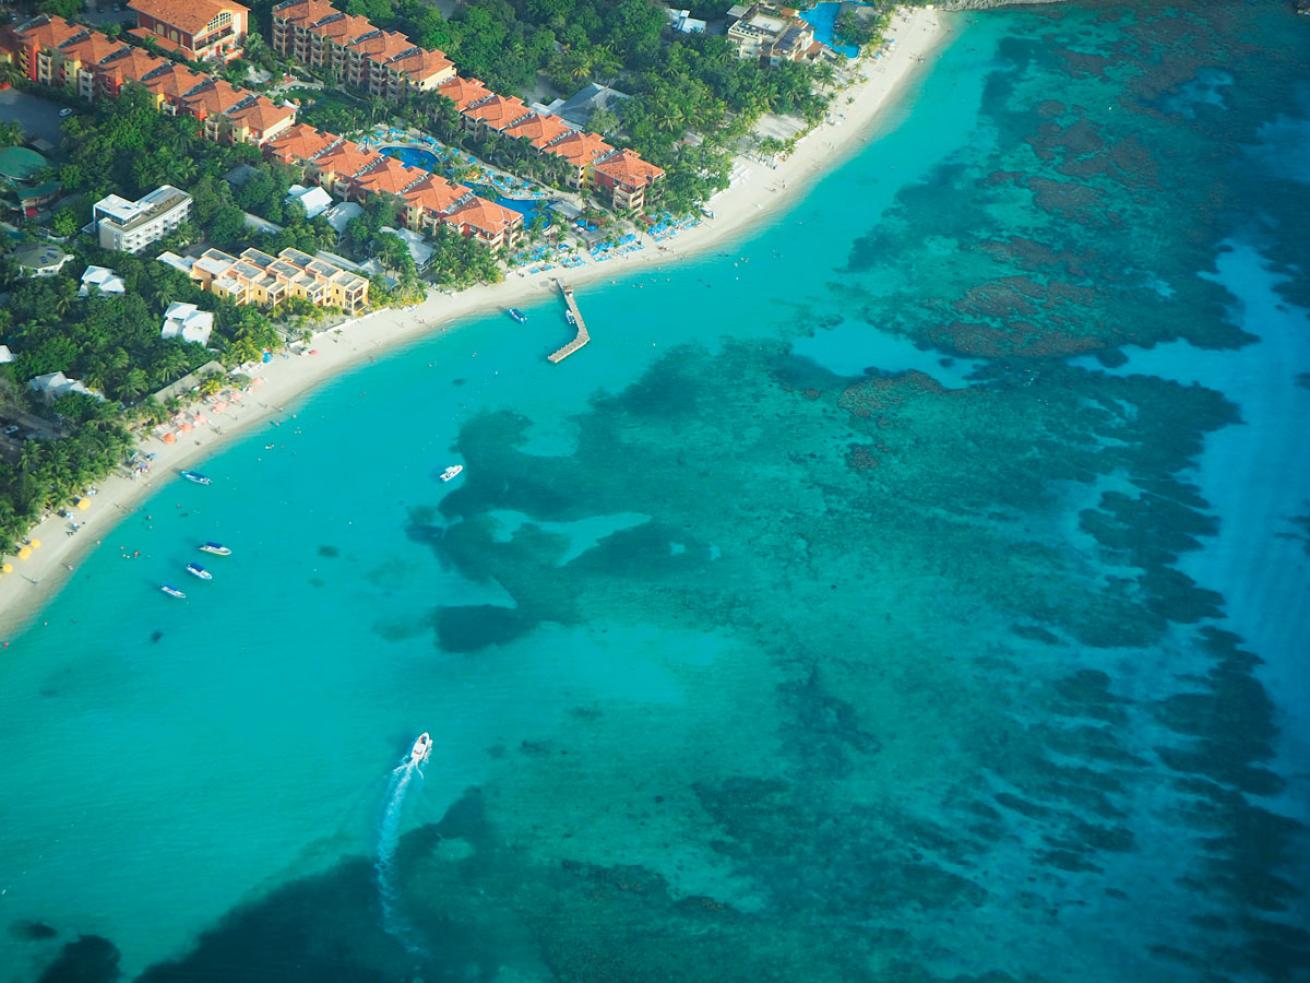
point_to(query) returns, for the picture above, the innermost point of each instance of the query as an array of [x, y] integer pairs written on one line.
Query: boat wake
[[402, 776]]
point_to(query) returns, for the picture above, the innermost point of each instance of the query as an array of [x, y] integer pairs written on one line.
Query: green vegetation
[[862, 26]]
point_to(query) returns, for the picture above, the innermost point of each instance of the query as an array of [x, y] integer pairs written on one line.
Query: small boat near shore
[[517, 315], [197, 478], [215, 549], [452, 472], [171, 591], [196, 570], [421, 750]]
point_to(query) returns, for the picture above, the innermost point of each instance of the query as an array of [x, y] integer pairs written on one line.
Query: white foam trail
[[388, 838]]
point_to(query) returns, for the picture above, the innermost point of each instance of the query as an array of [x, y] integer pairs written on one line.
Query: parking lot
[[38, 117]]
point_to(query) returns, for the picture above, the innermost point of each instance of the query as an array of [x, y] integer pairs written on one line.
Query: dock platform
[[581, 337]]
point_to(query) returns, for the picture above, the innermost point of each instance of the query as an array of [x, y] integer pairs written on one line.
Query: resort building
[[625, 177], [101, 280], [53, 52], [314, 201], [464, 92], [255, 277], [21, 187], [198, 30], [771, 34], [40, 259], [497, 113], [580, 150], [385, 63], [52, 385], [188, 323], [130, 226]]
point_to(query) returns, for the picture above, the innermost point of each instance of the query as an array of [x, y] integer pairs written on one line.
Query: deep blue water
[[911, 590]]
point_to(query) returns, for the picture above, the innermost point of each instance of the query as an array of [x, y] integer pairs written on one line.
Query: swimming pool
[[414, 157], [823, 18]]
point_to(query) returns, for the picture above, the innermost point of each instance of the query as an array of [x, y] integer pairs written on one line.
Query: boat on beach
[[517, 315], [216, 549], [197, 478], [421, 750], [196, 570], [452, 472], [171, 591]]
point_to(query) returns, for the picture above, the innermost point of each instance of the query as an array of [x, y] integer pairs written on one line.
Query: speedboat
[[517, 315], [217, 549], [171, 591], [573, 321], [421, 749], [452, 472], [197, 477], [196, 570]]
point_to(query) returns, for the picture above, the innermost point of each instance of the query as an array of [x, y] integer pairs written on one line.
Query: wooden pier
[[581, 337]]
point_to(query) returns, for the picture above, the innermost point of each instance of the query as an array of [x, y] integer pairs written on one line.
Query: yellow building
[[255, 277]]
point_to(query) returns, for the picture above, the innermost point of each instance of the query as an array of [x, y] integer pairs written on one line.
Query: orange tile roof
[[486, 216], [435, 194], [346, 159], [538, 130], [51, 32], [131, 66], [190, 16], [628, 169], [382, 46], [175, 82], [91, 50], [163, 44], [463, 91], [345, 29], [213, 98], [309, 11], [579, 148], [390, 176], [300, 143], [262, 115], [421, 64], [498, 112]]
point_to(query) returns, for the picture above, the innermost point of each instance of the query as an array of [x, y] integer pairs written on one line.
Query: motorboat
[[452, 472], [421, 750], [197, 478], [196, 570], [217, 549], [573, 321], [517, 315], [171, 591]]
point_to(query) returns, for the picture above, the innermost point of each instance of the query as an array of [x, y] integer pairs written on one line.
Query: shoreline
[[759, 191]]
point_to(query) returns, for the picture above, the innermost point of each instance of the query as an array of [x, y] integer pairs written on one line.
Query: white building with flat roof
[[188, 322], [130, 226], [101, 280]]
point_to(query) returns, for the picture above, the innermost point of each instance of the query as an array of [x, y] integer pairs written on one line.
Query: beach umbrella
[[36, 544], [200, 420], [24, 553], [169, 438], [83, 504], [220, 406], [7, 568], [187, 427]]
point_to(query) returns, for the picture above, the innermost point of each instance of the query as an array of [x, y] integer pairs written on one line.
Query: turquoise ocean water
[[915, 589]]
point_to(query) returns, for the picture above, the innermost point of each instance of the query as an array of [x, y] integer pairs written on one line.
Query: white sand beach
[[758, 190]]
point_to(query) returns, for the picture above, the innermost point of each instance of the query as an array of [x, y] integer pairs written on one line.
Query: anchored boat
[[452, 472], [517, 315], [171, 591], [197, 477], [217, 549], [196, 570]]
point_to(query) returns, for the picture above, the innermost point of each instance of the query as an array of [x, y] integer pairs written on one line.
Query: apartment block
[[199, 30], [256, 277], [130, 226]]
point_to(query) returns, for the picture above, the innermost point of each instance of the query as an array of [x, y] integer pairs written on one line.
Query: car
[[65, 112], [11, 430]]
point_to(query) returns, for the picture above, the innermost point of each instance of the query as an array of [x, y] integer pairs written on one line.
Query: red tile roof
[[463, 91], [486, 217], [538, 130], [306, 12], [421, 64], [131, 65], [579, 148], [345, 159], [382, 46], [213, 98], [435, 194], [626, 168], [263, 115], [390, 176], [91, 50], [300, 143], [498, 112], [190, 16], [50, 32], [343, 30], [175, 82]]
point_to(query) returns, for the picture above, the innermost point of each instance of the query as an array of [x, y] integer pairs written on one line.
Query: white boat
[[217, 549], [171, 591], [197, 478], [452, 472], [573, 321], [196, 570], [421, 750]]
